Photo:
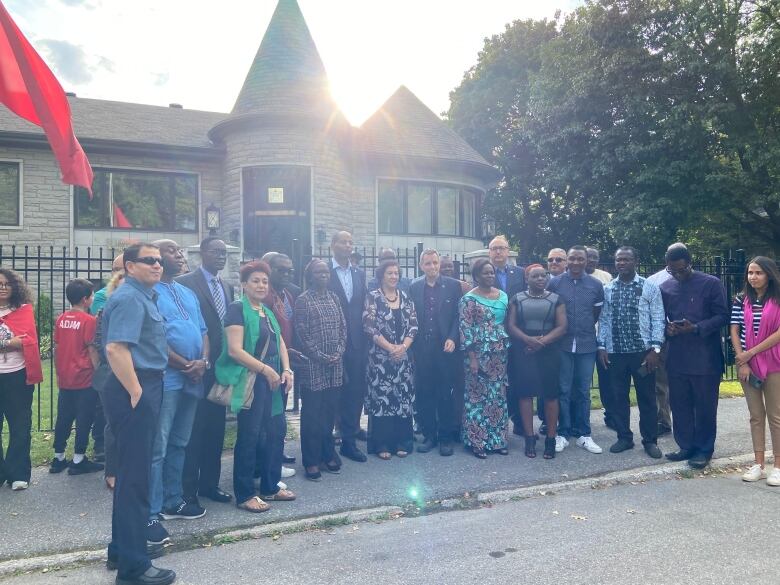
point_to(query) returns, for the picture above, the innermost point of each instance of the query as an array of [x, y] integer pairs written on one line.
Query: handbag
[[222, 394]]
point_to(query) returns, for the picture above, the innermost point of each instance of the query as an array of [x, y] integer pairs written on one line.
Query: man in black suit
[[349, 284], [435, 299], [203, 459], [511, 280]]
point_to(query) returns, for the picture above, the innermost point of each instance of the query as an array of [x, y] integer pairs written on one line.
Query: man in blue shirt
[[584, 297], [188, 351], [134, 337]]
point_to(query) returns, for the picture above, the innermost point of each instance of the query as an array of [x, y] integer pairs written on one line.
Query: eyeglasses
[[556, 260], [5, 285], [680, 271], [498, 248], [149, 260]]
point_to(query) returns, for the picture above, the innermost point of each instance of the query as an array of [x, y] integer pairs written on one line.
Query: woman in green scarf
[[253, 343]]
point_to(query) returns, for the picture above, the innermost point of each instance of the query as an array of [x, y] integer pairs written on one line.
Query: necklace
[[541, 296], [388, 299], [259, 309]]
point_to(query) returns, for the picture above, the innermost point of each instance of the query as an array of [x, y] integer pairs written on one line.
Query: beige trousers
[[764, 404]]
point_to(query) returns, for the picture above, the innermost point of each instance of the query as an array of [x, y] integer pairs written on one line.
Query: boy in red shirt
[[75, 359]]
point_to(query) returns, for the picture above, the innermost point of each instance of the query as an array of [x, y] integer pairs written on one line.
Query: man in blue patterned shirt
[[631, 332]]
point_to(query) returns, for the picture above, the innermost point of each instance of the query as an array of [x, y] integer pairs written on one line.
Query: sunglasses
[[149, 260], [556, 260]]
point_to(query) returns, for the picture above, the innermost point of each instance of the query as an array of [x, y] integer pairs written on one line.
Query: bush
[[45, 346], [44, 317]]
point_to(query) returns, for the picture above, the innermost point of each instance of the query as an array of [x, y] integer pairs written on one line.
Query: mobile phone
[[678, 322], [643, 371], [755, 381]]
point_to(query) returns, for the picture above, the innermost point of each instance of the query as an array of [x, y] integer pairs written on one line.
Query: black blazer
[[449, 297], [515, 280], [197, 283], [353, 310]]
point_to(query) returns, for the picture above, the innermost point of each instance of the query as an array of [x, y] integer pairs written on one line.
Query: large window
[[9, 193], [144, 200], [409, 207]]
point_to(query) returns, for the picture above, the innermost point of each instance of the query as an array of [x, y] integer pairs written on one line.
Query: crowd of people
[[151, 364]]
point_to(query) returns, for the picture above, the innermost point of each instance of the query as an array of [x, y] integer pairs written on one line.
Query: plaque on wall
[[275, 195]]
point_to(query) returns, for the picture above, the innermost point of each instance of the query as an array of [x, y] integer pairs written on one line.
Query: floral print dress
[[485, 415]]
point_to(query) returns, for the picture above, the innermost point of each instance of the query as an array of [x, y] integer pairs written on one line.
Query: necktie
[[219, 299]]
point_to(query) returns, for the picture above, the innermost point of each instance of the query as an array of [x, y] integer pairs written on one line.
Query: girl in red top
[[20, 370]]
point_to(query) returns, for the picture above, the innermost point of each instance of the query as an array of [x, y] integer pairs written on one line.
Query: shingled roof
[[287, 76], [122, 121], [406, 127]]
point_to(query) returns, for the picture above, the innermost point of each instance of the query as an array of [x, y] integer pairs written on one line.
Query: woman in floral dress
[[485, 343]]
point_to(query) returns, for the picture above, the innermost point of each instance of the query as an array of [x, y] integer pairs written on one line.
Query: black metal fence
[[48, 269]]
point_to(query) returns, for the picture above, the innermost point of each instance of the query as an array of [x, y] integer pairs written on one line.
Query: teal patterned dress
[[485, 415]]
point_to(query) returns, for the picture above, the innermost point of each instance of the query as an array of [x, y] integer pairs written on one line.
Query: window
[[408, 207], [9, 194], [146, 200]]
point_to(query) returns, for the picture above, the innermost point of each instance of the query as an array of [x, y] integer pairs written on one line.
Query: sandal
[[549, 448], [384, 455], [280, 496], [530, 446], [254, 505], [479, 453], [401, 454]]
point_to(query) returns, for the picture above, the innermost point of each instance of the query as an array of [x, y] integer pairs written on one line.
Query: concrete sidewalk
[[61, 513]]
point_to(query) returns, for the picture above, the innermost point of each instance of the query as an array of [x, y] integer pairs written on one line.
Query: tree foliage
[[633, 121]]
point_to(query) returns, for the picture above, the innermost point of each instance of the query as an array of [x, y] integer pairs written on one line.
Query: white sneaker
[[287, 471], [774, 477], [282, 485], [589, 445], [755, 473], [560, 443], [19, 485]]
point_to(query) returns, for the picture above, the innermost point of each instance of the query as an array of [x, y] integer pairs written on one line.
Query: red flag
[[30, 90], [120, 219]]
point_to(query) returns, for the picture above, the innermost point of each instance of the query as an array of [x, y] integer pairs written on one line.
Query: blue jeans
[[173, 433], [576, 378]]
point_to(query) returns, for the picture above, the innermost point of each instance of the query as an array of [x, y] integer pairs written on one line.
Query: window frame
[[436, 185], [119, 169], [20, 194]]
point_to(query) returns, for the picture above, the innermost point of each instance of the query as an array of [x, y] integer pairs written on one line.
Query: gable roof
[[406, 127]]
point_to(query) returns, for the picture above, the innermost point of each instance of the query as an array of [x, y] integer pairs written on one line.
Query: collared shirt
[[581, 296], [429, 327], [210, 277], [345, 277], [602, 276], [184, 330], [659, 277], [131, 317], [632, 319], [502, 277]]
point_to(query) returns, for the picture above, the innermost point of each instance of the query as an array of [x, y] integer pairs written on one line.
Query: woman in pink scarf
[[755, 337]]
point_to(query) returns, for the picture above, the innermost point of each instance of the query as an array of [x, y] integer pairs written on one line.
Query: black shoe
[[663, 430], [445, 449], [621, 445], [156, 533], [315, 476], [183, 511], [287, 458], [680, 455], [153, 551], [699, 461], [361, 435], [85, 466], [350, 451], [426, 446], [216, 495], [334, 468], [653, 450], [152, 576], [57, 466]]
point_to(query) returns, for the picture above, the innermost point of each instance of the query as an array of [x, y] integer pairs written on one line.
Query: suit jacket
[[447, 309], [353, 310], [515, 280], [197, 283]]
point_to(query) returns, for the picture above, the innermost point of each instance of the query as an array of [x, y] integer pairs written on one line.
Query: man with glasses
[[696, 311], [137, 352], [556, 261], [389, 254]]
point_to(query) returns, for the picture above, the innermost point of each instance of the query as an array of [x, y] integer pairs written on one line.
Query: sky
[[198, 53]]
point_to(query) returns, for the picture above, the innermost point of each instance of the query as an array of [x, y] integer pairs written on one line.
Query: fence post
[[418, 253]]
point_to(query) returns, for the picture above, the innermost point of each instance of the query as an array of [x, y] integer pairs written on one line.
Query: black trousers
[[16, 398], [606, 392], [623, 368], [203, 457], [134, 429], [74, 405], [99, 426], [434, 381], [353, 393], [318, 415], [694, 402]]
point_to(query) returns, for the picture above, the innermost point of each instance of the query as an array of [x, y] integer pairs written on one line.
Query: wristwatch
[[656, 349], [289, 371], [207, 362]]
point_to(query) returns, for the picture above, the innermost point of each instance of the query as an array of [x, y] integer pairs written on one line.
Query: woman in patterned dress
[[485, 343], [390, 320]]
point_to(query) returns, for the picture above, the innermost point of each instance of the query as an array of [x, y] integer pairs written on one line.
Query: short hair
[[579, 248], [477, 267], [530, 267], [204, 245], [356, 255], [631, 249], [78, 289], [275, 258], [429, 252], [250, 268], [386, 252], [336, 235], [557, 250], [382, 268], [133, 251], [677, 252], [501, 238], [309, 270]]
